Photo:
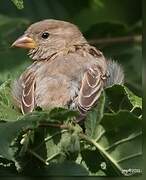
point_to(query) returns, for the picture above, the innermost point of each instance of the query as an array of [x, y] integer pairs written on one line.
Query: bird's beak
[[24, 42]]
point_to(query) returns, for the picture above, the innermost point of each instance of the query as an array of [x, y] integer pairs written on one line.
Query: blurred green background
[[113, 26]]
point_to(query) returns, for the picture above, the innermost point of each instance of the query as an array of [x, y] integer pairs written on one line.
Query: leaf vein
[[123, 141]]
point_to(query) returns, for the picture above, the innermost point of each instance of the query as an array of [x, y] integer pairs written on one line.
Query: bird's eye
[[45, 35]]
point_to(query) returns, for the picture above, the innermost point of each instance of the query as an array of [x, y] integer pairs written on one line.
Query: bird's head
[[47, 37]]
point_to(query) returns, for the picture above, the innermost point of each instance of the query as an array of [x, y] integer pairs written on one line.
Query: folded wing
[[91, 88], [23, 92]]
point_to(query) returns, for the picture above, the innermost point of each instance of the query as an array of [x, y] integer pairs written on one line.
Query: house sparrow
[[66, 71]]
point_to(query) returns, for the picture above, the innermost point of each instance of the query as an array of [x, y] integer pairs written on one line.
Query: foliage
[[51, 142], [54, 137]]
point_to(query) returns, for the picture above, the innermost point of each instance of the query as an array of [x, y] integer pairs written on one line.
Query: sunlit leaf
[[7, 109], [18, 3], [122, 98]]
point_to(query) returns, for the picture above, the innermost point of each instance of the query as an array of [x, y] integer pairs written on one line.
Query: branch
[[115, 40]]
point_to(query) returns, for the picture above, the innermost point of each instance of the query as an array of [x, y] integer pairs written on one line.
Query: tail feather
[[116, 73]]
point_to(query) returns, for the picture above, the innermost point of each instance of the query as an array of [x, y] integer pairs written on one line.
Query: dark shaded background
[[105, 23]]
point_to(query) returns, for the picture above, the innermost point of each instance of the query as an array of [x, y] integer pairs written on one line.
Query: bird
[[66, 71]]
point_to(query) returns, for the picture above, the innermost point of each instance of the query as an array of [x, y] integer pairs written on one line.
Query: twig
[[115, 40]]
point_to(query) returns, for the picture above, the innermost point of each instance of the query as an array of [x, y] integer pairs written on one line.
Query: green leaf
[[134, 100], [62, 114], [94, 117], [92, 159], [70, 145], [9, 131], [124, 134], [62, 144], [52, 143], [66, 142], [7, 109], [18, 3], [121, 97], [119, 144], [121, 119]]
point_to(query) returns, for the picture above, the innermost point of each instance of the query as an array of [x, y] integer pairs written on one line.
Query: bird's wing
[[92, 85], [28, 89]]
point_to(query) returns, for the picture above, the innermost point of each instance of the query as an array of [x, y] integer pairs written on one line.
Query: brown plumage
[[66, 71]]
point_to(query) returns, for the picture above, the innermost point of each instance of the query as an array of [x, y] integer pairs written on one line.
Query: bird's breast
[[58, 82]]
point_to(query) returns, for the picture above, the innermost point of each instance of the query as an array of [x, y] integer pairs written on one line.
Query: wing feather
[[91, 88], [28, 89], [92, 82]]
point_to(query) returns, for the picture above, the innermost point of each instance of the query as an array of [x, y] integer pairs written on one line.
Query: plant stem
[[52, 157], [37, 156], [55, 134], [140, 116]]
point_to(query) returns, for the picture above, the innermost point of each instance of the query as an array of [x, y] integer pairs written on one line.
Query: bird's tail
[[116, 73]]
